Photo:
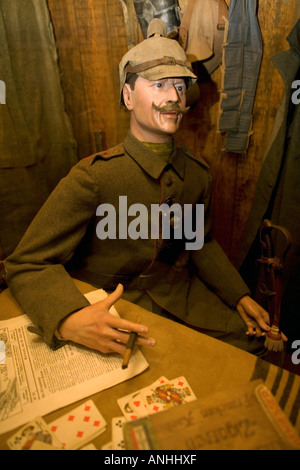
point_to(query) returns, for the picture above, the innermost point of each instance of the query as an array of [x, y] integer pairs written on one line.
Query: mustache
[[171, 107]]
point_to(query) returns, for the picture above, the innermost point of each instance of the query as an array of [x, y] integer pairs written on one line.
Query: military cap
[[155, 58]]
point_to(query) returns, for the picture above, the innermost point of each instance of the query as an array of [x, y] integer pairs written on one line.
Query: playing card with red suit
[[133, 405], [80, 426], [127, 409], [167, 394]]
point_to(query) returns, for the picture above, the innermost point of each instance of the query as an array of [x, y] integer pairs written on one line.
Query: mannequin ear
[[127, 96]]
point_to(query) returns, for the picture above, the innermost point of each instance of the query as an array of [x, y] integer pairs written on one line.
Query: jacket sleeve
[[213, 265], [35, 272]]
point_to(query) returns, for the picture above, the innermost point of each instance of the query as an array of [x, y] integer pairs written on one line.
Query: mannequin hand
[[95, 328], [254, 316]]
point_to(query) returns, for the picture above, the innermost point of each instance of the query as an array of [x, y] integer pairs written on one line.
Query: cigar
[[129, 348]]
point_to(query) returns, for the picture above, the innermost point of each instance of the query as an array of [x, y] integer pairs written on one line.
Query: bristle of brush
[[274, 341]]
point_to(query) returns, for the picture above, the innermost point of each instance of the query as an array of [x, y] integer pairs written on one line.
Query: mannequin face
[[150, 123]]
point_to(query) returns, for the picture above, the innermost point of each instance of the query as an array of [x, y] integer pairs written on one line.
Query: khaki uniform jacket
[[62, 239]]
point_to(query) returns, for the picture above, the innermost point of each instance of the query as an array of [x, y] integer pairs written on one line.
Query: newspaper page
[[35, 380]]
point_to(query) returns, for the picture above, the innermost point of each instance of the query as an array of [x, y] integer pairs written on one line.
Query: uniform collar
[[151, 162]]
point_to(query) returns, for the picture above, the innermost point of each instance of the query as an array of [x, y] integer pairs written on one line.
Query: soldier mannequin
[[34, 271]]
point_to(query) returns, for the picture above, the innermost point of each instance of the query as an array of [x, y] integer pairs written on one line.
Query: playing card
[[117, 435], [107, 446], [137, 405], [38, 445], [133, 405], [167, 394], [79, 426], [34, 434], [159, 382], [89, 447], [128, 412]]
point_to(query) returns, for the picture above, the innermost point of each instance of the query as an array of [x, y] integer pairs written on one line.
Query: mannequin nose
[[173, 95]]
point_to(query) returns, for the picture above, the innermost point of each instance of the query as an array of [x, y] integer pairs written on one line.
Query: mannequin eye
[[180, 87]]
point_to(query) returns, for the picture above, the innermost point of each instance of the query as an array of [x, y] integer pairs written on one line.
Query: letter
[[189, 419], [154, 221], [2, 92], [190, 444], [232, 430], [223, 433], [213, 436], [151, 459], [248, 431], [296, 94], [164, 210], [196, 442], [188, 226], [123, 218], [107, 461], [295, 356], [109, 221], [135, 460], [141, 220]]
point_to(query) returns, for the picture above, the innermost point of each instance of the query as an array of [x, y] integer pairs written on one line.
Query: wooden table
[[209, 365]]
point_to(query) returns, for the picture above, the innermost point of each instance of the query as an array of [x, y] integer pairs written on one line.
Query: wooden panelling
[[91, 39]]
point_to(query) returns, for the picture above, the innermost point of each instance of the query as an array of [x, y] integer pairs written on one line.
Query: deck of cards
[[77, 428], [159, 396], [71, 431], [162, 395]]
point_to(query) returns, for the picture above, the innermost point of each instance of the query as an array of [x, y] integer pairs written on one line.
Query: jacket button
[[169, 182]]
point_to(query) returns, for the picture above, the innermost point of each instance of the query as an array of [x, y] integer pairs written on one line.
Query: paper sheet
[[36, 380]]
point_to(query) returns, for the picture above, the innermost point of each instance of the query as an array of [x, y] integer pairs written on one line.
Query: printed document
[[35, 380]]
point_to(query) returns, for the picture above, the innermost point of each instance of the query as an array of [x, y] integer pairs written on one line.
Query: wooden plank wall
[[91, 39]]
